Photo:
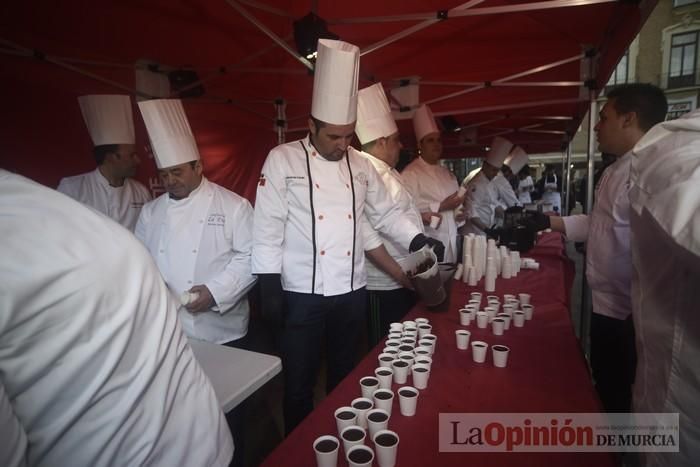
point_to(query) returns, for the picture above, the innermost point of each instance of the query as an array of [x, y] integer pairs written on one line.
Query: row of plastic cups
[[468, 314], [386, 443], [361, 408], [480, 348]]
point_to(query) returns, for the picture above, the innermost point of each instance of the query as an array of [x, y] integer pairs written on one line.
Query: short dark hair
[[367, 147], [100, 152], [317, 123], [646, 100]]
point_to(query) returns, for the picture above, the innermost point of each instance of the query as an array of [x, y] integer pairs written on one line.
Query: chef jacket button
[[162, 251], [347, 185], [317, 186], [189, 282], [348, 253], [349, 216], [313, 153], [323, 252], [320, 217], [194, 251]]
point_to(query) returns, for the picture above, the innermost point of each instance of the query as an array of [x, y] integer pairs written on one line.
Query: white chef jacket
[[318, 246], [204, 239], [94, 368], [607, 237], [430, 185], [525, 186], [480, 201], [123, 203], [506, 195], [665, 228], [376, 278]]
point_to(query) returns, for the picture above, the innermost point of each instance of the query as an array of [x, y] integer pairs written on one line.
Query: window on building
[[621, 73], [677, 3], [684, 49]]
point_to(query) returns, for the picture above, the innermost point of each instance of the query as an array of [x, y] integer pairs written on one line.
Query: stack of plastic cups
[[506, 267], [490, 281], [472, 277]]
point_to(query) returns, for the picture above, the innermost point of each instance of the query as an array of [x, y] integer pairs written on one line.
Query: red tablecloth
[[546, 373]]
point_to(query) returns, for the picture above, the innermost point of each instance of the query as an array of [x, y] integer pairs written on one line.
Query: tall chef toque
[[169, 131], [500, 147], [424, 122], [108, 118], [335, 82], [374, 118]]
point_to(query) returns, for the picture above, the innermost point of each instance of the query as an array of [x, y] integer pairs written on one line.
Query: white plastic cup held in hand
[[326, 448], [408, 399], [434, 222], [518, 319], [345, 417], [386, 445], [462, 337], [479, 349], [500, 355], [360, 456]]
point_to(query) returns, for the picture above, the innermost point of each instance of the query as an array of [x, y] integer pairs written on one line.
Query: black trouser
[[613, 361], [309, 319], [386, 307], [235, 418]]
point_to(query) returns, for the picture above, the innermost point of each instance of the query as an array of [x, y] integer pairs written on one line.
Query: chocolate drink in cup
[[327, 445], [362, 405], [407, 393], [353, 434], [346, 415], [369, 382], [386, 440], [378, 417], [360, 456]]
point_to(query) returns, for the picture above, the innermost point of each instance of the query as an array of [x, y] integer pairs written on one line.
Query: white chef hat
[[424, 122], [374, 118], [500, 147], [335, 82], [517, 159], [169, 131], [108, 118]]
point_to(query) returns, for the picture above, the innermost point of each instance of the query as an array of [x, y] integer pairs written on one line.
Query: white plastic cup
[[498, 326], [368, 385], [434, 222], [377, 420], [407, 357], [420, 321], [518, 318], [476, 296], [394, 351], [423, 330], [528, 310], [479, 349], [396, 327], [408, 400], [513, 301], [386, 445], [524, 298], [361, 406], [420, 375], [351, 436], [366, 453], [326, 454], [409, 324], [465, 317], [428, 344], [383, 399], [493, 298], [392, 343], [482, 319], [395, 335], [400, 368], [491, 312], [500, 355], [424, 361], [345, 417], [385, 376], [506, 320], [462, 336], [508, 296], [509, 309], [385, 359], [423, 351]]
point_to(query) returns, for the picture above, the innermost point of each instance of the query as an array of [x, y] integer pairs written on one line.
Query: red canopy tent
[[522, 69]]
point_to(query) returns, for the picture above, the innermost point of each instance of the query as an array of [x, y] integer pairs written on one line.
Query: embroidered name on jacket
[[361, 178], [216, 219]]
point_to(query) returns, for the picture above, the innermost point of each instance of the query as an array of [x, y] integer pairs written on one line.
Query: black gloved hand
[[272, 299], [514, 209], [420, 240], [536, 221], [493, 232]]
